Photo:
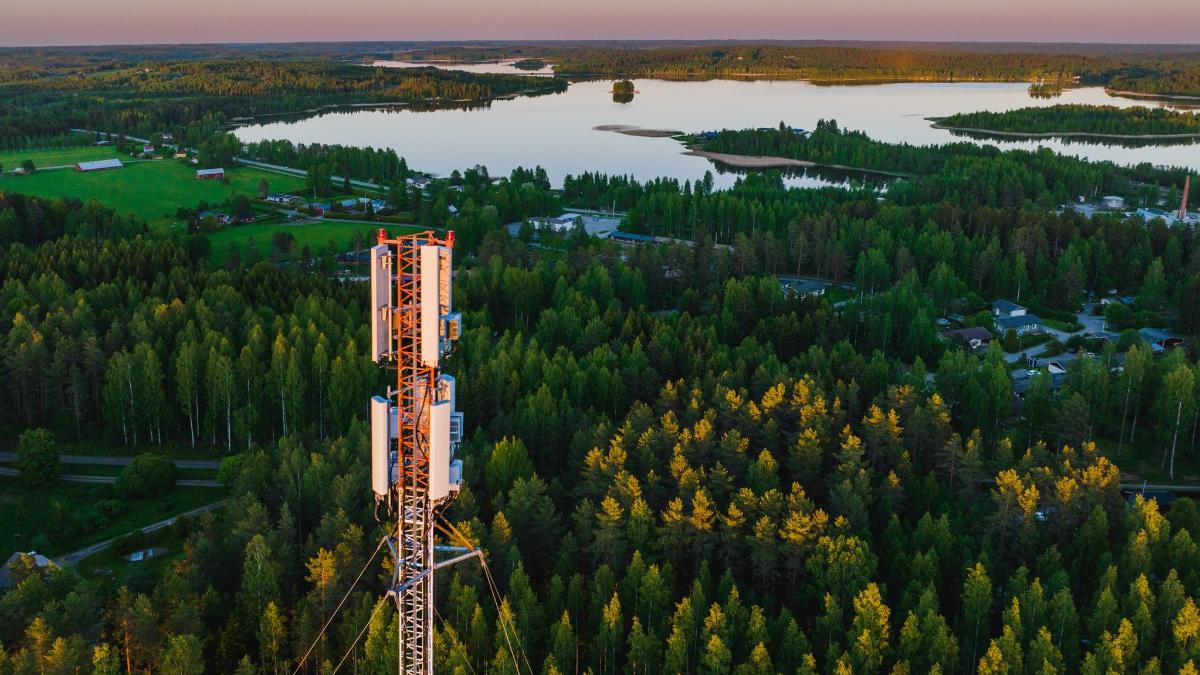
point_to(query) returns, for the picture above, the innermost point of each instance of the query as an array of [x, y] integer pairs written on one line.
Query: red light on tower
[[450, 238], [381, 235]]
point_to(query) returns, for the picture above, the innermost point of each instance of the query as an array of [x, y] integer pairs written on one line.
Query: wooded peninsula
[[1079, 120]]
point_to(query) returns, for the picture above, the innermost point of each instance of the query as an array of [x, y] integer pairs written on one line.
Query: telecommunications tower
[[415, 429]]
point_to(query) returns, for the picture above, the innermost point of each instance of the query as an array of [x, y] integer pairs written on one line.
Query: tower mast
[[414, 428]]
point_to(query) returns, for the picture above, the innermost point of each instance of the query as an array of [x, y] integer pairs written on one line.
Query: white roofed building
[[99, 165]]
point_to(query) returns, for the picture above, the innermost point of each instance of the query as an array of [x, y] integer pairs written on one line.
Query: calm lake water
[[556, 131]]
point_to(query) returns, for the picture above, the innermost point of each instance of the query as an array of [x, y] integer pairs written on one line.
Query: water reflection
[[556, 131], [505, 67], [1084, 139]]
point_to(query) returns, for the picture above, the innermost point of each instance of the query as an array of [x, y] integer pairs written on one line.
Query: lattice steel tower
[[415, 429]]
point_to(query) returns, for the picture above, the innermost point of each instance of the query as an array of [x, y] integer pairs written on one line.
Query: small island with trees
[[623, 91], [529, 64], [1045, 90], [1075, 120]]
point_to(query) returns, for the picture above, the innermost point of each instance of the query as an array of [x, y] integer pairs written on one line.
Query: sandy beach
[[637, 131], [749, 161]]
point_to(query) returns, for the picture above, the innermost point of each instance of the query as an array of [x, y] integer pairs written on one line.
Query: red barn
[[210, 174]]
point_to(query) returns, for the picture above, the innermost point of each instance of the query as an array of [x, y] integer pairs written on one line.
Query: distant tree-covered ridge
[[204, 96], [1145, 73], [1079, 119]]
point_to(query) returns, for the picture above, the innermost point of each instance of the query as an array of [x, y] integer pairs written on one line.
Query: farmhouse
[[210, 174], [99, 165], [218, 217], [278, 198]]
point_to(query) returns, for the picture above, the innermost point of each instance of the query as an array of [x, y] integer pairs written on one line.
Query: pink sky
[[46, 22]]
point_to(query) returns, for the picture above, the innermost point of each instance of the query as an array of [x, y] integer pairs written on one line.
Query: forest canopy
[[1100, 120]]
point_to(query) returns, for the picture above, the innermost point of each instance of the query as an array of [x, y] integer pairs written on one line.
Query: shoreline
[[769, 162], [938, 124], [630, 130], [1142, 94]]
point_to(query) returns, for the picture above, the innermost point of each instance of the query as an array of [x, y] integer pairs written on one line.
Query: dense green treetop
[[1080, 119]]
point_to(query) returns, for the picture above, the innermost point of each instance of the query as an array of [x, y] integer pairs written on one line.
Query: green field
[[28, 513], [57, 156], [152, 190]]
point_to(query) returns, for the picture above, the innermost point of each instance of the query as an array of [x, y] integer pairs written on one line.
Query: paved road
[[302, 174], [1091, 324], [135, 139], [100, 480], [74, 557], [108, 460], [1177, 487]]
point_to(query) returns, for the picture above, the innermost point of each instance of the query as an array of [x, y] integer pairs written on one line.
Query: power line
[[495, 592], [353, 645], [461, 650], [339, 607]]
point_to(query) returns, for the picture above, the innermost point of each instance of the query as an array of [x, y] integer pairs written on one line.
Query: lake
[[557, 131]]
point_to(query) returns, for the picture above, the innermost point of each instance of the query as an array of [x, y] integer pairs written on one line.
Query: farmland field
[[151, 190], [57, 156]]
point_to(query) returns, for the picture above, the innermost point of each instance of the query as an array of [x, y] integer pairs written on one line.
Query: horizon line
[[569, 41]]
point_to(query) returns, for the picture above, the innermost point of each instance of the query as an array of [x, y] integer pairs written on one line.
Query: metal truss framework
[[412, 545]]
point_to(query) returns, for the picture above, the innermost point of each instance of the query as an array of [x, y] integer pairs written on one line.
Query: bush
[[1012, 343], [1053, 348], [149, 475], [134, 541], [37, 458]]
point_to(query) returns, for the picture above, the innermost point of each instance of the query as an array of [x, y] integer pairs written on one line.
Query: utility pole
[[414, 427]]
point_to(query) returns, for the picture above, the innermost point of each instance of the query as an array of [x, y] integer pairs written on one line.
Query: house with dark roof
[[30, 559], [973, 338], [1159, 339], [632, 237], [801, 288], [1007, 308], [1164, 498], [1022, 323]]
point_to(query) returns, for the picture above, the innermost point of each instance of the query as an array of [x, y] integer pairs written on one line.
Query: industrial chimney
[[1187, 182]]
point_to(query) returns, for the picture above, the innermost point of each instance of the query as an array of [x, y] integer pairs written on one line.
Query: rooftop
[[1006, 322], [1006, 306], [969, 333], [100, 164]]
